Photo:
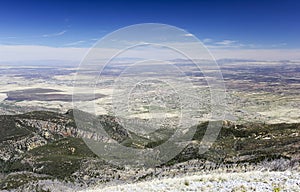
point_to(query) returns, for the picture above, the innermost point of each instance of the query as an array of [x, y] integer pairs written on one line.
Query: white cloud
[[74, 43], [188, 35], [226, 42], [207, 40], [55, 34], [210, 43]]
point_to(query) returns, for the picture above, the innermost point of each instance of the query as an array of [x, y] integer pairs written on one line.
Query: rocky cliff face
[[21, 133]]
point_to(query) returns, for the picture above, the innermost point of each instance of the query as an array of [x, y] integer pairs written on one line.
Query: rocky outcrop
[[35, 129]]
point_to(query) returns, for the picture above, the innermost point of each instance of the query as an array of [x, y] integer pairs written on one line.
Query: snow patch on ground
[[248, 181]]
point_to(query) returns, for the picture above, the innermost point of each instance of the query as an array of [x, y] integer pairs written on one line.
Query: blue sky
[[246, 24]]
